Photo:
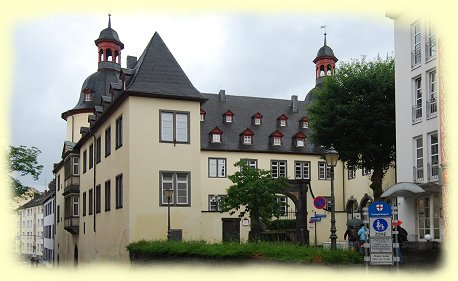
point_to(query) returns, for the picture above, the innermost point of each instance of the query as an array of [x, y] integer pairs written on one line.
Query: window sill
[[431, 116], [413, 67]]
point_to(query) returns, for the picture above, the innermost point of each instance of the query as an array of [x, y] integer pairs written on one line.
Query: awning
[[410, 189]]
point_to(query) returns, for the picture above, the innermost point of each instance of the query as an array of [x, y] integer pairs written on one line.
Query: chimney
[[222, 95], [131, 61], [294, 103]]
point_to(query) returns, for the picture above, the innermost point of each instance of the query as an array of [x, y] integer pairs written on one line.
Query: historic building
[[139, 130], [418, 187]]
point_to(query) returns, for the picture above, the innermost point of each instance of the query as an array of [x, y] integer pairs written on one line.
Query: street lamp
[[168, 194], [331, 156]]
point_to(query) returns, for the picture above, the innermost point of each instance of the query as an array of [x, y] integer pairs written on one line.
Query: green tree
[[23, 160], [355, 111], [255, 192]]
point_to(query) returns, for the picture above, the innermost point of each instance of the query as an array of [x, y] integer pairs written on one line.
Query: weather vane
[[324, 26]]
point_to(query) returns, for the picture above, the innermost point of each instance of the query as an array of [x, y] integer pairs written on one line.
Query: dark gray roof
[[158, 73], [325, 51], [99, 84], [244, 108], [38, 200]]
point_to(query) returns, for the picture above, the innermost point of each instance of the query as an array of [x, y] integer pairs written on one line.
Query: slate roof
[[157, 73], [35, 201], [244, 108]]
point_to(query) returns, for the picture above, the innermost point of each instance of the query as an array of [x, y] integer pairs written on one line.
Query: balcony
[[72, 185], [431, 107], [433, 171], [72, 224], [418, 174], [417, 113]]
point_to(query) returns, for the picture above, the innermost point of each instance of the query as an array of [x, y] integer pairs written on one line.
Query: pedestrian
[[402, 237], [352, 234], [362, 238]]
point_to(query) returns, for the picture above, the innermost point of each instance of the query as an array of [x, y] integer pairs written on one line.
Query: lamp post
[[331, 156], [168, 194]]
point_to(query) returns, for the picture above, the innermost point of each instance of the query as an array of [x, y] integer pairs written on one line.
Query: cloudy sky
[[264, 55]]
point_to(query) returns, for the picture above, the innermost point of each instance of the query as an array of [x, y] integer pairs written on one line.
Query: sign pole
[[315, 230]]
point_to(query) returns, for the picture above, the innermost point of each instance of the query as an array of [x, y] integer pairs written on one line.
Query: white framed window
[[433, 156], [179, 183], [351, 172], [284, 208], [300, 142], [216, 167], [247, 139], [324, 171], [202, 117], [432, 93], [76, 166], [277, 141], [302, 169], [216, 138], [228, 118], [257, 121], [305, 124], [365, 171], [416, 44], [253, 163], [174, 127], [76, 208], [282, 123], [87, 96], [278, 168], [418, 160], [418, 101], [430, 41], [214, 202]]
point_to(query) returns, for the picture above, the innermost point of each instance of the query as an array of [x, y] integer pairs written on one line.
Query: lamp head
[[331, 156]]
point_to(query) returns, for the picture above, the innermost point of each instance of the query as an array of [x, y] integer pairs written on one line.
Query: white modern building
[[48, 227], [419, 187], [30, 228]]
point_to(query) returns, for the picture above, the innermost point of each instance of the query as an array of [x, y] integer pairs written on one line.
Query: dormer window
[[216, 135], [228, 117], [257, 119], [282, 120], [299, 139], [277, 138], [247, 137], [202, 115], [87, 94], [304, 122]]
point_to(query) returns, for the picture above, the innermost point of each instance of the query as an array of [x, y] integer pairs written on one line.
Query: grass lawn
[[282, 252]]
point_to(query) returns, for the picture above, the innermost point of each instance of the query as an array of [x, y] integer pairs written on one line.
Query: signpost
[[381, 242]]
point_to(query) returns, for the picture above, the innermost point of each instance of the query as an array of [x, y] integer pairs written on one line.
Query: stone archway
[[365, 202], [297, 192], [352, 208]]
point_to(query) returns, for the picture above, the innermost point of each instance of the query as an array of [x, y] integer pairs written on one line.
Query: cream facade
[[150, 130]]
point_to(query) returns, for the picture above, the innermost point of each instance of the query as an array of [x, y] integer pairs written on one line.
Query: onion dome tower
[[325, 65], [96, 85]]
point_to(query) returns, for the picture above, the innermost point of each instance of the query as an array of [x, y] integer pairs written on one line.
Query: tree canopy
[[23, 160], [257, 192], [355, 111]]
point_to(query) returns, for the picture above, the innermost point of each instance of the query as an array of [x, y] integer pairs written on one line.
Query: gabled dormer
[[246, 137], [276, 138], [228, 117], [304, 122], [202, 115], [216, 135], [257, 119], [282, 120], [299, 139]]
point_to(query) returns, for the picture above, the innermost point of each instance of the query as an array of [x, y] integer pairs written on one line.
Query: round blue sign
[[380, 225]]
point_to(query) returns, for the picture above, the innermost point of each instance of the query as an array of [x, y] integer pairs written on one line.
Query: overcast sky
[[263, 55]]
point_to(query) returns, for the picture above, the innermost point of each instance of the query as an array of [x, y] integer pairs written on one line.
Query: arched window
[[109, 55], [352, 209], [100, 54], [321, 70], [329, 71], [116, 57]]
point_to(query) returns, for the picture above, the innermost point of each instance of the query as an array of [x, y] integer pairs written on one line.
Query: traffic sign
[[379, 209], [381, 245], [380, 227], [381, 259], [319, 202], [315, 218]]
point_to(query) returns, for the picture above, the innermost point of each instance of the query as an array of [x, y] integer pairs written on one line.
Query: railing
[[431, 107], [433, 171], [416, 57], [418, 174], [72, 185], [71, 224], [417, 113]]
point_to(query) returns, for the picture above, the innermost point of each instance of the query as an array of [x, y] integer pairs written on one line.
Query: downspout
[[95, 192], [73, 126]]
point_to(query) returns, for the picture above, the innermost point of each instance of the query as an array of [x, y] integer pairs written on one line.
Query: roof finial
[[324, 26], [109, 20]]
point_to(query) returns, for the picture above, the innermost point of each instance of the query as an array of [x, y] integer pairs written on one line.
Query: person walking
[[352, 234], [402, 236], [362, 238]]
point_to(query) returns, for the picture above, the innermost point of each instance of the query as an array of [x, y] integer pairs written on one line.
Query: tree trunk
[[376, 185], [255, 230]]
